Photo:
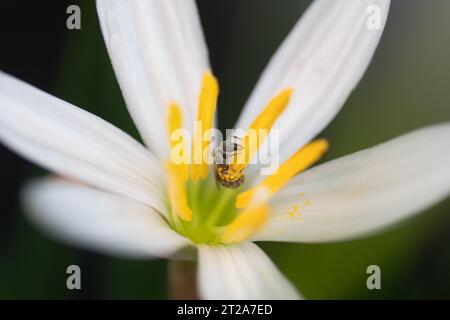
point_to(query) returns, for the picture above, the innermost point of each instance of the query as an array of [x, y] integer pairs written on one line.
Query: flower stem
[[182, 280]]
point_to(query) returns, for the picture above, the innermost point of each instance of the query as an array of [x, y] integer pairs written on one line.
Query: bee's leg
[[216, 178], [241, 180]]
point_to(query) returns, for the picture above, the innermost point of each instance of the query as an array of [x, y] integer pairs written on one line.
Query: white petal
[[365, 191], [241, 271], [159, 55], [99, 220], [77, 144], [322, 59]]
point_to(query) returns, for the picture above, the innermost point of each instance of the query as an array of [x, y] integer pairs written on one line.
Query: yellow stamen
[[300, 161], [178, 174], [206, 107], [245, 224], [175, 121], [177, 191], [253, 139]]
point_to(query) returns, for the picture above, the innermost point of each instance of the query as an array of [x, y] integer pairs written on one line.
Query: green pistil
[[212, 208]]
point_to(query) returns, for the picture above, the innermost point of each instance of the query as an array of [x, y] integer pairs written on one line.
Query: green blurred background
[[406, 87]]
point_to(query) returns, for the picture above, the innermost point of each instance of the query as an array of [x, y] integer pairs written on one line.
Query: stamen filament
[[206, 108], [300, 161], [220, 206]]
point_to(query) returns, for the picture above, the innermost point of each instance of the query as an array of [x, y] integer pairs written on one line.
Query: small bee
[[227, 174]]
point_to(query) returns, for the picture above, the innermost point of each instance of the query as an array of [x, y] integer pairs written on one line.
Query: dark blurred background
[[406, 87]]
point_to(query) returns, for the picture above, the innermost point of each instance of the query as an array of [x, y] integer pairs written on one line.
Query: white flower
[[126, 199]]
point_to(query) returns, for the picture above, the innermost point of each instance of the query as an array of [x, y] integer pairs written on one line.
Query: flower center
[[206, 213]]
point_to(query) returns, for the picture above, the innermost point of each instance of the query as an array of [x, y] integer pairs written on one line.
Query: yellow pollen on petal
[[300, 161], [178, 173], [206, 108], [252, 139], [245, 224]]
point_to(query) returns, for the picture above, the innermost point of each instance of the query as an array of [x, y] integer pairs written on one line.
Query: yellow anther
[[178, 173], [206, 107], [174, 121], [245, 224], [300, 161], [177, 191], [253, 139]]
